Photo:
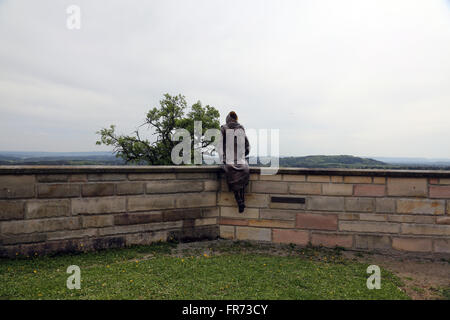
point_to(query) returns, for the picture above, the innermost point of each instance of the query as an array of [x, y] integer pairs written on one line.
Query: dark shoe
[[241, 208]]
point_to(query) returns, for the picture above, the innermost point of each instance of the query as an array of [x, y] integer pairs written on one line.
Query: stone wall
[[399, 210], [65, 209], [77, 208]]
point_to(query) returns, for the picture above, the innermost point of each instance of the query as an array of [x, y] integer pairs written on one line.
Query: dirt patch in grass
[[422, 278]]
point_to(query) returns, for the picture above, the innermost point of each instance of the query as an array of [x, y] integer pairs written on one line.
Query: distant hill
[[351, 162], [315, 161], [321, 161], [59, 158], [416, 161]]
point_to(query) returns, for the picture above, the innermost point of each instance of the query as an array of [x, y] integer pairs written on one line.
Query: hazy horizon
[[364, 78], [380, 158]]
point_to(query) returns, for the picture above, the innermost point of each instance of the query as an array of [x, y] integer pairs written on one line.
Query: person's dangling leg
[[239, 200], [237, 196], [242, 196]]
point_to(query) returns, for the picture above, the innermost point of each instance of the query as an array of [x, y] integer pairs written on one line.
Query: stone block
[[269, 187], [442, 245], [337, 189], [211, 185], [373, 217], [36, 209], [58, 190], [16, 186], [426, 229], [226, 232], [270, 177], [233, 222], [135, 228], [325, 203], [348, 216], [318, 178], [210, 212], [368, 226], [174, 186], [107, 177], [197, 175], [97, 189], [205, 222], [412, 244], [250, 233], [407, 187], [316, 221], [372, 242], [379, 180], [11, 210], [137, 218], [203, 199], [78, 177], [39, 225], [305, 188], [370, 190], [173, 215], [6, 239], [98, 205], [421, 206], [294, 177], [359, 204], [52, 177], [278, 214], [443, 220], [385, 205], [442, 192], [300, 237], [357, 179], [97, 221], [337, 179], [410, 218], [151, 202], [252, 200], [129, 188], [232, 212], [146, 238], [271, 223], [331, 240], [151, 176], [72, 234]]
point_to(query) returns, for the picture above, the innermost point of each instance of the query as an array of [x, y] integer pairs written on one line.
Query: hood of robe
[[231, 123]]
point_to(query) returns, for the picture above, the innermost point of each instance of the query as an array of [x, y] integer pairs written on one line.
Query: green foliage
[[171, 114]]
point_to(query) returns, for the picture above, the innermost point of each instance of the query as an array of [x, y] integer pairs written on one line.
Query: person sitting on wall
[[235, 157]]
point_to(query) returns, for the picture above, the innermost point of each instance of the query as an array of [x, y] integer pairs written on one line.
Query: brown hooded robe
[[237, 172]]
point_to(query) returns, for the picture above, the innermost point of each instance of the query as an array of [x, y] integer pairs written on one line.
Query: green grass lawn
[[232, 271]]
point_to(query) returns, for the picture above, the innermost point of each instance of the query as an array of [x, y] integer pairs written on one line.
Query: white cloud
[[336, 77]]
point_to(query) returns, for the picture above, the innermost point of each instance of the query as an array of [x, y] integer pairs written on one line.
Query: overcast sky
[[367, 78]]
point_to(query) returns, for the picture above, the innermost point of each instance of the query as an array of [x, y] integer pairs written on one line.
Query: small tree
[[163, 120]]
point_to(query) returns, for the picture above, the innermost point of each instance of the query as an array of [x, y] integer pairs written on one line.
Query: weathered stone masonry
[[64, 208]]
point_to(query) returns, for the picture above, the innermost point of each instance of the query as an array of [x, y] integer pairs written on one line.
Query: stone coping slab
[[42, 169]]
